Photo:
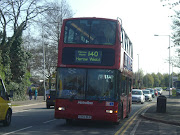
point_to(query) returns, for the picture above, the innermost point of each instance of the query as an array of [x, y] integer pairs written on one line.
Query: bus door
[[119, 95], [128, 88], [124, 94]]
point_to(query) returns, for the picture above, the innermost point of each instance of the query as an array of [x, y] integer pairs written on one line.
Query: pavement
[[170, 116], [40, 99]]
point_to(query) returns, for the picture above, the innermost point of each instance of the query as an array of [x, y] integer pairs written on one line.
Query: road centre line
[[131, 119], [49, 121], [20, 111], [17, 130], [26, 128]]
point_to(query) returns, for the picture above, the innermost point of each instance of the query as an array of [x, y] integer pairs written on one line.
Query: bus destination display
[[86, 56]]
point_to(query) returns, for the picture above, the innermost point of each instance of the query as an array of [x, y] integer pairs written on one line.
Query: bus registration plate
[[84, 117]]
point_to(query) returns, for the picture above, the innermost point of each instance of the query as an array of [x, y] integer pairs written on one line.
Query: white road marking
[[21, 111], [17, 130], [135, 127], [49, 121]]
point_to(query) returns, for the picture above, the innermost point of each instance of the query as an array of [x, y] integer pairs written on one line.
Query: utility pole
[[138, 73]]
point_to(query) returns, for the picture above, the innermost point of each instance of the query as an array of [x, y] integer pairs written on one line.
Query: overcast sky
[[141, 20]]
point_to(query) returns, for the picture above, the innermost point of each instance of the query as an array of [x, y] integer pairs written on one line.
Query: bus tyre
[[68, 121], [7, 120], [117, 123]]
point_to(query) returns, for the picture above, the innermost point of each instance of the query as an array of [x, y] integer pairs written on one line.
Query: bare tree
[[53, 18], [14, 18], [15, 14], [50, 28], [176, 38]]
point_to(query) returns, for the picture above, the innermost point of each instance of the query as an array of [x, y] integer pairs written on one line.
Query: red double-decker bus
[[94, 71]]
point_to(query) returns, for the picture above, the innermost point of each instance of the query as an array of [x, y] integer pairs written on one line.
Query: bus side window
[[128, 86], [119, 85], [123, 84]]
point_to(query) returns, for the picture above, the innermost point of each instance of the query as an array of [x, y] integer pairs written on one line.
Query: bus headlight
[[61, 108], [109, 111]]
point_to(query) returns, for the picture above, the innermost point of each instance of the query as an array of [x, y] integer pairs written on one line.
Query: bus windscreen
[[90, 31], [100, 84]]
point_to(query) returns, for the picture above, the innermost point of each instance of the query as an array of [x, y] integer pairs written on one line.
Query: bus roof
[[90, 18]]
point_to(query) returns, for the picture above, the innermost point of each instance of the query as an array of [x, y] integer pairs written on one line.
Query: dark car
[[178, 92], [50, 98]]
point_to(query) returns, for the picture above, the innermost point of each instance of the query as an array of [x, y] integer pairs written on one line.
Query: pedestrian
[[35, 94], [30, 93]]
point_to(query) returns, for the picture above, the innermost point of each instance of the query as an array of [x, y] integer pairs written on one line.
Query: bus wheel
[[68, 121], [117, 123], [7, 120]]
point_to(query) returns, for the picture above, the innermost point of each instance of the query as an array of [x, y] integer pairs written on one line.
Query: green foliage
[[156, 80], [18, 60], [19, 89], [148, 80], [2, 75], [153, 80]]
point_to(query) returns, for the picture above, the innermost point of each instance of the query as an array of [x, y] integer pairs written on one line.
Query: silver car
[[148, 95], [138, 96]]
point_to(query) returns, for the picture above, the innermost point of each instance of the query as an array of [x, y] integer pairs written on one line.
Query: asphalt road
[[38, 120]]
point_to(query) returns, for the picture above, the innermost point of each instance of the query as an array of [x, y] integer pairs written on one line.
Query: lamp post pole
[[169, 60], [138, 73], [44, 81]]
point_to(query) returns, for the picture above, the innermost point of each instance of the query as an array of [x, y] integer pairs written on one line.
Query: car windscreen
[[146, 92], [136, 93]]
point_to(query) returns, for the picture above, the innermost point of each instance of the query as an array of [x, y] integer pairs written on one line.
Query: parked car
[[160, 90], [138, 96], [177, 92], [50, 98], [152, 91], [168, 89], [148, 95], [5, 105]]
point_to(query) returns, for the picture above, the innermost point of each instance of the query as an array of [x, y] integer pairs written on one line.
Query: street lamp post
[[44, 81], [138, 73], [169, 60]]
